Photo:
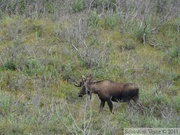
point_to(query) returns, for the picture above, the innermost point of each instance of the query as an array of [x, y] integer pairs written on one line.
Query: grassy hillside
[[46, 47]]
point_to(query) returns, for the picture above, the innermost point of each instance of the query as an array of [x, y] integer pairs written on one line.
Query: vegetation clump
[[46, 47]]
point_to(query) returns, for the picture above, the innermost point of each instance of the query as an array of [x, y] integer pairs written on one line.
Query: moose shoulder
[[109, 91]]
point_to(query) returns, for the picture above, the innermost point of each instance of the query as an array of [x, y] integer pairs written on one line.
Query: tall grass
[[45, 48]]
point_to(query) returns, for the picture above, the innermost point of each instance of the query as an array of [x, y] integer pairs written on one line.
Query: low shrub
[[77, 6]]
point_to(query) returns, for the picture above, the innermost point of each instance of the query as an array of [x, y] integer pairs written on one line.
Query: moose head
[[84, 86]]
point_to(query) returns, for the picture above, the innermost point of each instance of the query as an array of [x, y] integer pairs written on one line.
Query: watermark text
[[151, 131]]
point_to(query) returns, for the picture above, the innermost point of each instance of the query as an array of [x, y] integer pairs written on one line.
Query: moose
[[109, 91]]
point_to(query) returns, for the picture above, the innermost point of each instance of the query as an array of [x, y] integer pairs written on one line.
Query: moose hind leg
[[110, 105]]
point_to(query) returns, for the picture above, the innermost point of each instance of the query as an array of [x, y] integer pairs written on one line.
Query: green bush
[[9, 65], [104, 5], [111, 21], [33, 67], [78, 5], [176, 103], [5, 104], [129, 44], [172, 55], [49, 7], [93, 19], [175, 52]]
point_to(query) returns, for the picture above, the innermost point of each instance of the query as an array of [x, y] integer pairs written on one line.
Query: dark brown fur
[[109, 91]]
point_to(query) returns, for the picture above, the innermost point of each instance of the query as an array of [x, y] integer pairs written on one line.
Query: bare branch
[[164, 19]]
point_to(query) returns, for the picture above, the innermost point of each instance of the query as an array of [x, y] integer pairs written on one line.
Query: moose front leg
[[110, 105], [102, 105]]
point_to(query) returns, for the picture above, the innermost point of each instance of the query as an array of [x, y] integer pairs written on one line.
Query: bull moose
[[109, 91]]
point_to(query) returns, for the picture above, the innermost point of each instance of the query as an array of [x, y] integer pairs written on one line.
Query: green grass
[[41, 59]]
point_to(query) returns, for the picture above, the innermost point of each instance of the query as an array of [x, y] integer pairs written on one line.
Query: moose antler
[[81, 83]]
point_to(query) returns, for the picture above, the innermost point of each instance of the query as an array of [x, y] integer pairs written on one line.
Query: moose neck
[[92, 87]]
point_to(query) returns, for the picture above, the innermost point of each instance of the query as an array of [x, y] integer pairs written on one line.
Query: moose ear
[[81, 83], [77, 84]]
